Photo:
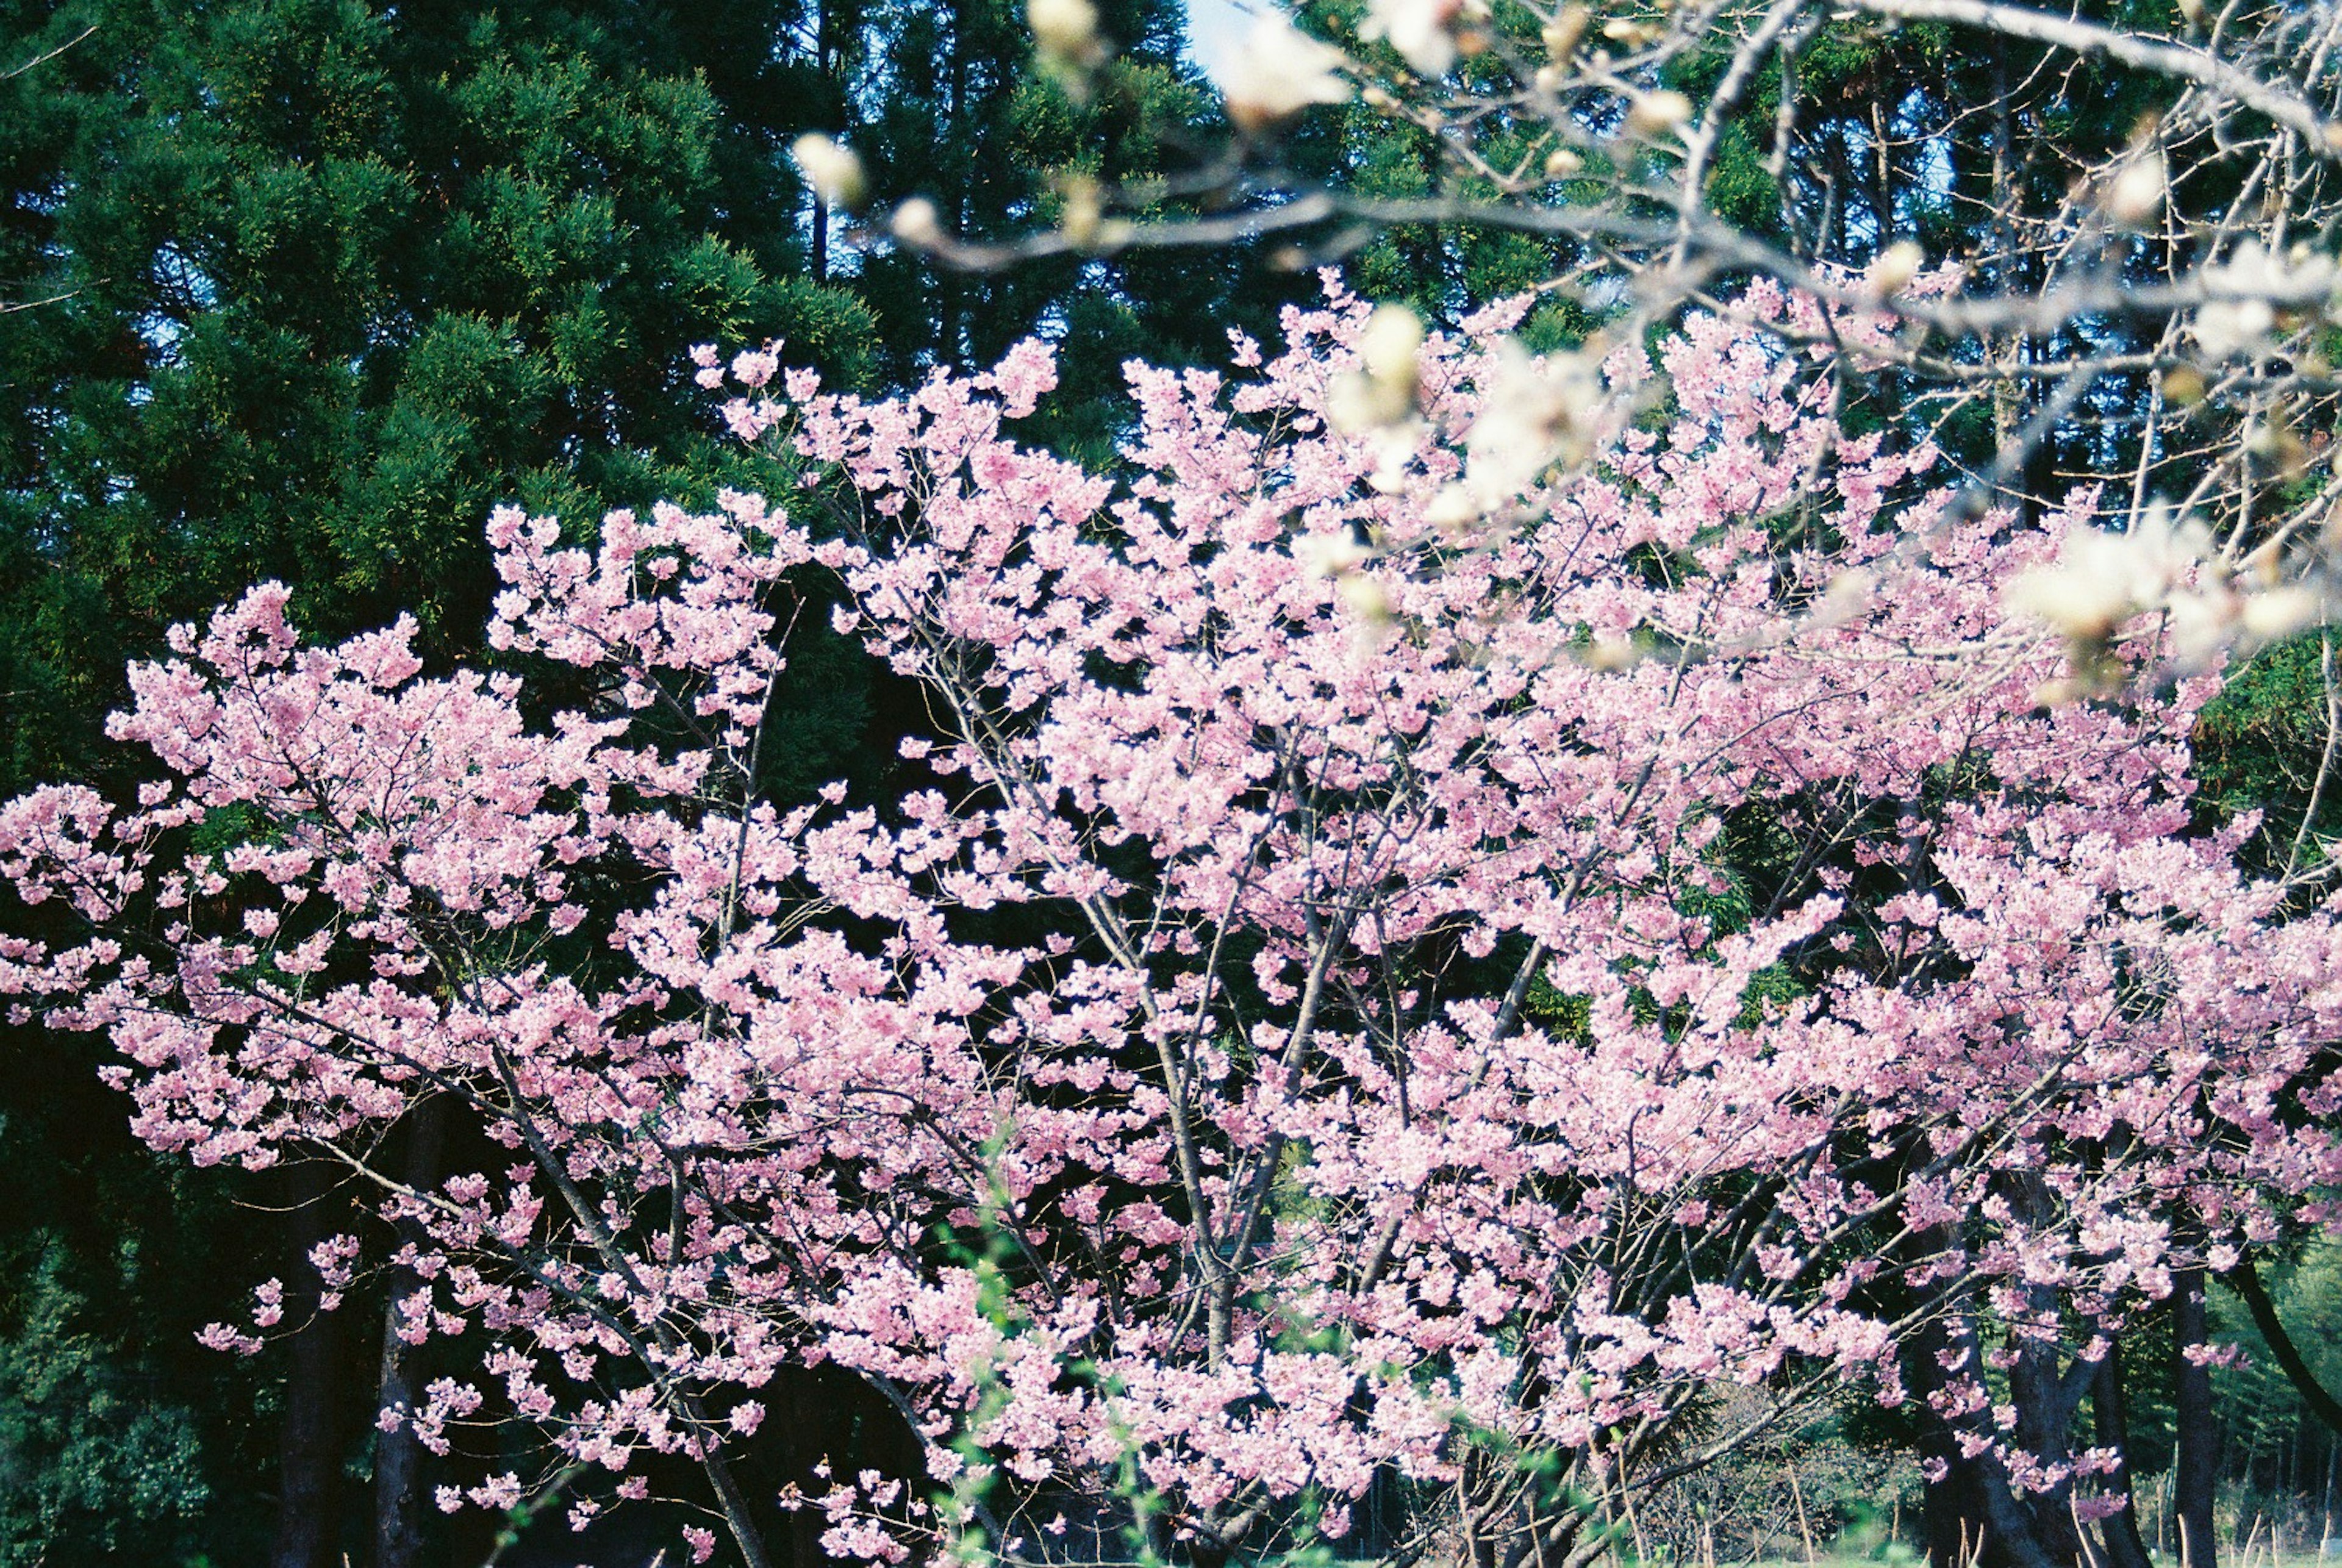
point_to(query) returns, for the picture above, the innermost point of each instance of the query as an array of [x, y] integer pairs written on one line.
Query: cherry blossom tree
[[1457, 906]]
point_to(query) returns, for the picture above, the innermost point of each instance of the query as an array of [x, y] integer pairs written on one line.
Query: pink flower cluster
[[1363, 987]]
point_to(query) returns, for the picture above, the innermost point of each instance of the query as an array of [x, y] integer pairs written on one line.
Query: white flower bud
[[1653, 112], [1380, 393], [1610, 652], [1535, 411], [1363, 597], [917, 222], [1330, 554], [2135, 197], [831, 170], [1356, 403], [1562, 33], [1389, 343], [1279, 72], [2101, 580], [1850, 595], [2281, 612], [1420, 30], [1065, 30], [1896, 266], [1453, 509], [2228, 327], [1084, 211]]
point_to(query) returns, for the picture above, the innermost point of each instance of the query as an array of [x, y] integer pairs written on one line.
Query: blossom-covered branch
[[1457, 906]]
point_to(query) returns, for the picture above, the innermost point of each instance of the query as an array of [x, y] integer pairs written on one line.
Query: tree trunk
[[2125, 1546], [1953, 1514], [819, 230], [2010, 1541], [397, 1455], [2196, 1452], [2048, 1398], [309, 1464]]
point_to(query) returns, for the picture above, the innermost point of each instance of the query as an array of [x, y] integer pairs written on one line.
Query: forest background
[[300, 289]]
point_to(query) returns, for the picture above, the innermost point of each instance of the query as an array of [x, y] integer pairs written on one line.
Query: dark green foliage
[[121, 1440], [336, 283], [2260, 744], [90, 1461], [2278, 1449]]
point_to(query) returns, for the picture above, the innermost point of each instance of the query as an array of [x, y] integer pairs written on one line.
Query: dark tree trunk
[[1974, 1518], [2196, 1452], [397, 1455], [2047, 1399], [1954, 1512], [2245, 1281], [1955, 1507], [824, 66], [309, 1464], [2125, 1546], [2010, 1539]]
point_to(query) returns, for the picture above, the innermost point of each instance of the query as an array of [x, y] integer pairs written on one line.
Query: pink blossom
[[1321, 948]]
